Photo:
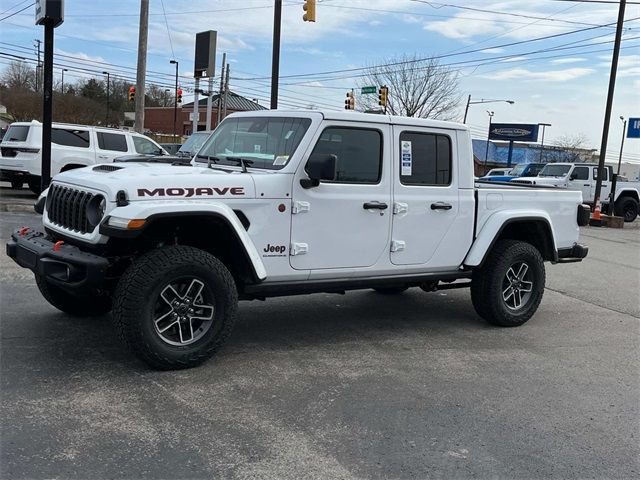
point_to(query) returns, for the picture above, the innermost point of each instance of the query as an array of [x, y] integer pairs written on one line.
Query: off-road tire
[[140, 287], [16, 184], [487, 287], [627, 207], [390, 290], [77, 305]]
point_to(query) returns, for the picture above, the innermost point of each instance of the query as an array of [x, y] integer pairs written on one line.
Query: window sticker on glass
[[406, 158], [257, 148], [281, 160], [288, 135]]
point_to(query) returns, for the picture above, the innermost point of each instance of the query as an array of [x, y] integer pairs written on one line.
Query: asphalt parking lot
[[329, 386]]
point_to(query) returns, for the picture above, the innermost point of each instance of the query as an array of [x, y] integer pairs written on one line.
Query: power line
[[15, 6], [16, 13], [166, 22]]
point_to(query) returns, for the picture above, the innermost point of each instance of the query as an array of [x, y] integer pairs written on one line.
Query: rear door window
[[580, 173], [115, 142], [70, 137], [17, 133]]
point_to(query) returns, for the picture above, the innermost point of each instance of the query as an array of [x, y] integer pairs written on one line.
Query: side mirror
[[320, 166], [573, 176]]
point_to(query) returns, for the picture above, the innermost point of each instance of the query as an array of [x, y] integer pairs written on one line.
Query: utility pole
[[607, 114], [196, 107], [486, 152], [106, 121], [226, 92], [143, 33], [62, 85], [209, 103], [275, 58], [38, 66], [222, 70]]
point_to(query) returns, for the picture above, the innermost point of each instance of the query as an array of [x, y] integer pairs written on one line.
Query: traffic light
[[309, 8], [179, 95], [383, 95], [350, 102], [132, 93]]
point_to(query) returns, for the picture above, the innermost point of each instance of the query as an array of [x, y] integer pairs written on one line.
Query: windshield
[[551, 170], [518, 169], [193, 144], [266, 142]]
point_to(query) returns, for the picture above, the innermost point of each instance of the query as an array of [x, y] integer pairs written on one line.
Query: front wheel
[[507, 290], [34, 185], [627, 207], [175, 307]]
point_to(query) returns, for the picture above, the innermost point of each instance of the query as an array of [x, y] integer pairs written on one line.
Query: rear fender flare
[[494, 226]]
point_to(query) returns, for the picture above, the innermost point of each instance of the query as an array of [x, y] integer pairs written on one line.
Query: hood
[[153, 158], [546, 180], [153, 181]]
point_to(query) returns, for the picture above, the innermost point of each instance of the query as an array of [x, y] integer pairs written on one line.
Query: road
[[329, 386]]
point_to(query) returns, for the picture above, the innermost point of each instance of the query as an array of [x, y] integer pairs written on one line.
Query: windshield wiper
[[209, 159], [243, 162]]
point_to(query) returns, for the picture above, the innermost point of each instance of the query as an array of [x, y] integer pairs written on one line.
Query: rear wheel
[[627, 207], [507, 290], [78, 305], [175, 307]]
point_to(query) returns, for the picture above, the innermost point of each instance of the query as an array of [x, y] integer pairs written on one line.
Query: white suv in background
[[72, 146]]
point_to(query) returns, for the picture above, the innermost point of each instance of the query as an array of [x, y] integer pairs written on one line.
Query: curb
[[16, 208]]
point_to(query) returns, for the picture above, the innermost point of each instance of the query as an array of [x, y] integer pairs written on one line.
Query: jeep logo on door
[[274, 250], [190, 191]]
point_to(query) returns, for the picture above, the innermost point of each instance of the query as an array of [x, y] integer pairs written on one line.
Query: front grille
[[523, 182], [67, 207]]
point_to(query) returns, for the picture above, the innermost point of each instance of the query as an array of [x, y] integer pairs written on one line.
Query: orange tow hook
[[23, 231], [57, 245]]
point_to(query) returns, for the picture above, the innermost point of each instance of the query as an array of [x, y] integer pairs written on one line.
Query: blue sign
[[634, 128], [514, 132]]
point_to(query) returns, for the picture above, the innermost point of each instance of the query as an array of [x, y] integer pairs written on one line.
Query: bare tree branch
[[417, 88]]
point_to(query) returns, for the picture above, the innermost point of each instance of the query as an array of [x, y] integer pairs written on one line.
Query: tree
[[19, 76], [417, 87], [570, 148], [158, 97]]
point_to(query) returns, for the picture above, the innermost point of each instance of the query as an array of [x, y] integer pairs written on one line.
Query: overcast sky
[[565, 87]]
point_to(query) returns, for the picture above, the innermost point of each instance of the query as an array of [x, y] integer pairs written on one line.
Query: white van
[[72, 146]]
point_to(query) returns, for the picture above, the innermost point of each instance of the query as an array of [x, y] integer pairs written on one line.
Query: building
[[160, 119]]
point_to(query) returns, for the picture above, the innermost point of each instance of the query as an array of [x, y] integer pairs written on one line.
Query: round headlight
[[95, 209]]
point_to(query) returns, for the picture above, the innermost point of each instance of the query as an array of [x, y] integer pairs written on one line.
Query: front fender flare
[[492, 228], [162, 209]]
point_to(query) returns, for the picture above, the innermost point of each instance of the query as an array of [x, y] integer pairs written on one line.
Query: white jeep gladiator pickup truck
[[284, 203]]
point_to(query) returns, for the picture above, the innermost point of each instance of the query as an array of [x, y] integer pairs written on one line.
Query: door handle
[[375, 206], [586, 184], [441, 206], [102, 156]]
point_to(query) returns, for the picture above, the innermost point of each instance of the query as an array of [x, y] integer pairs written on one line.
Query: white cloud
[[79, 55], [560, 61], [514, 59], [549, 76], [492, 50]]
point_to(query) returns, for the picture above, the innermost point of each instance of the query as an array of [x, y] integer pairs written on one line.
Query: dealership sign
[[514, 132]]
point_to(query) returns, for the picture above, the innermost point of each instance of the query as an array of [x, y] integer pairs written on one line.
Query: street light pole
[[469, 102], [106, 122], [486, 153], [62, 87], [543, 125], [175, 100], [624, 129]]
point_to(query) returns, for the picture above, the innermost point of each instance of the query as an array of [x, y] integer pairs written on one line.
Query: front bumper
[[11, 175], [573, 254], [64, 265]]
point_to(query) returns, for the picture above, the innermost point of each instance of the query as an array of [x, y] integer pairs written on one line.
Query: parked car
[[520, 170], [284, 203], [497, 171], [183, 156], [72, 146], [171, 148]]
